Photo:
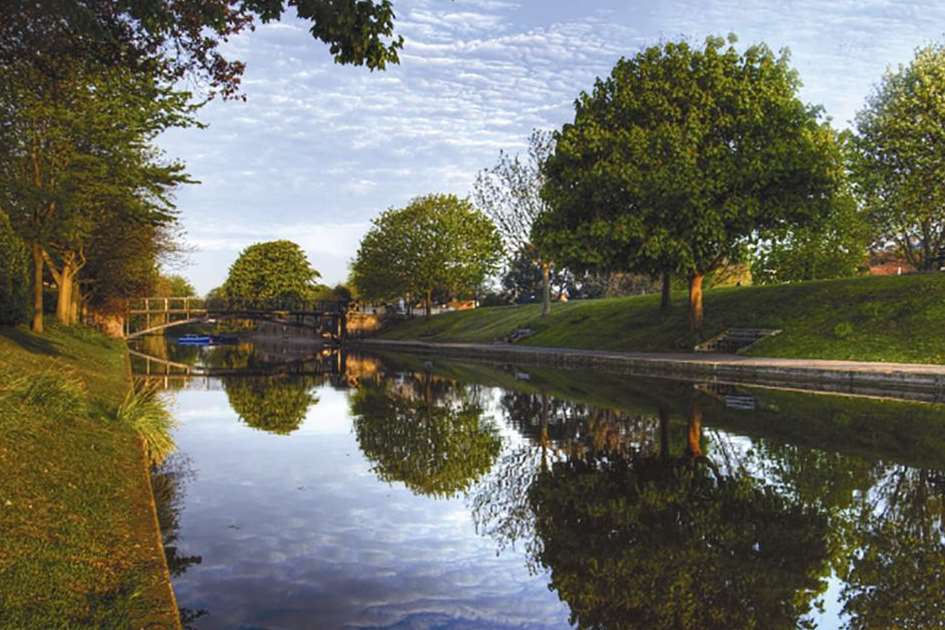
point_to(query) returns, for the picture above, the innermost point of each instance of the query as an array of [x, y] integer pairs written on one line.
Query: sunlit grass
[[891, 318], [77, 542]]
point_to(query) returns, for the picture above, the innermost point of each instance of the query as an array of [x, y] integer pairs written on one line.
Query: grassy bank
[[900, 319], [80, 546]]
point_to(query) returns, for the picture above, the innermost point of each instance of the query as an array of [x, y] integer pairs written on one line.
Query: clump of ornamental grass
[[145, 412], [55, 394]]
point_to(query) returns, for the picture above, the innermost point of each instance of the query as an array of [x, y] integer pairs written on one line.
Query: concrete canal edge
[[925, 382], [166, 614]]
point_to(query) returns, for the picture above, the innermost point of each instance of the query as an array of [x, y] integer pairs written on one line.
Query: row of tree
[[683, 162], [86, 198]]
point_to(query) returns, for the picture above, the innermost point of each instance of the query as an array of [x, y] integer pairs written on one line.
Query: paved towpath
[[839, 375]]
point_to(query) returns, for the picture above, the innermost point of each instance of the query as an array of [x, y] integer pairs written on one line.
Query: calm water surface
[[357, 492]]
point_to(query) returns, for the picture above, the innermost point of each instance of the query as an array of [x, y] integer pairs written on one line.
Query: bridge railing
[[156, 305], [166, 305]]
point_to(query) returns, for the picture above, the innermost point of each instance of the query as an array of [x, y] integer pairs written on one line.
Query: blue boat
[[207, 340], [195, 340]]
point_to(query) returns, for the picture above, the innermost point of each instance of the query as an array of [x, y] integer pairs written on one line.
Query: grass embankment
[[894, 319], [79, 541]]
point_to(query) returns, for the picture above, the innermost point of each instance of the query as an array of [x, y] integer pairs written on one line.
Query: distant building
[[888, 264]]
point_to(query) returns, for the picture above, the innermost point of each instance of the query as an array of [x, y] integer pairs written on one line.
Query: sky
[[317, 149]]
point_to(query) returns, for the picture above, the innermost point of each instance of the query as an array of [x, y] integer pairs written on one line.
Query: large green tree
[[436, 243], [679, 156], [900, 158], [275, 274], [178, 38], [77, 149]]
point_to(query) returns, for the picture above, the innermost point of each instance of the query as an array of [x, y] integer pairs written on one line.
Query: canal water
[[313, 490]]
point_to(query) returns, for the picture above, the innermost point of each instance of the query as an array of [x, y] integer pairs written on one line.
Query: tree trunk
[[694, 437], [695, 302], [37, 251], [545, 289], [428, 304], [666, 301], [64, 296]]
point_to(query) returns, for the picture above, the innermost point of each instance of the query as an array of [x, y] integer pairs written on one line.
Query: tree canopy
[[833, 246], [176, 38], [900, 158], [275, 274], [435, 243], [174, 285], [77, 153], [680, 156]]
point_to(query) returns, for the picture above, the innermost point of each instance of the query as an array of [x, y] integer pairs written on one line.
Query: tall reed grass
[[145, 411]]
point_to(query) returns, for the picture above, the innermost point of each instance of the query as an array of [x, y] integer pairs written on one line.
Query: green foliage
[[900, 156], [275, 404], [428, 435], [681, 155], [833, 247], [337, 293], [275, 274], [77, 154], [145, 412], [436, 243], [893, 317], [14, 276], [179, 38], [174, 286]]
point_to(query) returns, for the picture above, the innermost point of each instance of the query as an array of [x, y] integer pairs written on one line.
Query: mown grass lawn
[[894, 318], [79, 546]]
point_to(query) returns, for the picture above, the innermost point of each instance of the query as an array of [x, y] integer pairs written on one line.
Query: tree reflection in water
[[428, 433], [896, 574], [275, 404], [168, 482], [635, 534], [644, 523]]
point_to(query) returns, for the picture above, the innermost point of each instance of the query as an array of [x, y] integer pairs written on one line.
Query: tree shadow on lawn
[[29, 342]]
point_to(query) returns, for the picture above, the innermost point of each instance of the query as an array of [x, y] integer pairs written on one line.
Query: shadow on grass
[[29, 341]]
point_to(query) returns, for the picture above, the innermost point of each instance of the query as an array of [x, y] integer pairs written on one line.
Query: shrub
[[843, 330], [14, 275], [144, 411]]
